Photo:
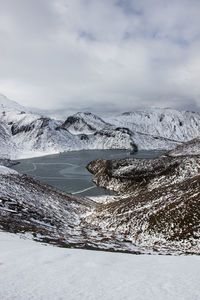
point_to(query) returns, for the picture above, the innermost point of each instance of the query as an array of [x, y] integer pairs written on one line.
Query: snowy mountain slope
[[88, 123], [159, 201], [7, 145], [9, 105], [26, 134], [51, 215], [33, 135], [179, 126], [96, 134], [85, 123], [28, 206], [146, 141], [190, 148]]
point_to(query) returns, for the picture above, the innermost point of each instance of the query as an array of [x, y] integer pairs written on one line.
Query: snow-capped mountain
[[32, 134], [26, 134], [86, 123], [50, 215], [174, 125], [9, 105]]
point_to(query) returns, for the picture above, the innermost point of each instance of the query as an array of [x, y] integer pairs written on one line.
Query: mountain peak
[[7, 104]]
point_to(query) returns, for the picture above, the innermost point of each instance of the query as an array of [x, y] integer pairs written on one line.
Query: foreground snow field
[[29, 270]]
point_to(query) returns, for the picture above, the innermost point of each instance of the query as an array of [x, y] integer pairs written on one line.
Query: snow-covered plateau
[[31, 271]]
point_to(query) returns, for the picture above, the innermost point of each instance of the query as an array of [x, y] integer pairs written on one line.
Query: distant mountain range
[[26, 134]]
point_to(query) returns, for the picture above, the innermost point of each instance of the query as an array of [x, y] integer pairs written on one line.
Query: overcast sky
[[100, 54]]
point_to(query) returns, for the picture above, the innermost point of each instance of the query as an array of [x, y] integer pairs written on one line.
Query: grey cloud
[[129, 7], [112, 55]]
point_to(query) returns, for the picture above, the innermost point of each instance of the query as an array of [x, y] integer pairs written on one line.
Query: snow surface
[[30, 270], [171, 124], [8, 104], [7, 171]]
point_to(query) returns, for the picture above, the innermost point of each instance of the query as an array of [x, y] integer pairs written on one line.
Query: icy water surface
[[67, 172]]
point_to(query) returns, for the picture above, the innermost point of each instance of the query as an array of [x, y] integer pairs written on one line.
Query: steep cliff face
[[159, 200]]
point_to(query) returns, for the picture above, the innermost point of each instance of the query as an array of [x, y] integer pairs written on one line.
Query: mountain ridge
[[31, 134]]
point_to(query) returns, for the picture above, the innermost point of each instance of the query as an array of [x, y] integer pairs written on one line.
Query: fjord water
[[67, 171]]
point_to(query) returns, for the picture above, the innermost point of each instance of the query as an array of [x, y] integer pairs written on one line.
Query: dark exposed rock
[[84, 137], [15, 129], [124, 130], [45, 122], [76, 120], [134, 148], [106, 133], [162, 117]]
